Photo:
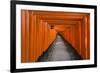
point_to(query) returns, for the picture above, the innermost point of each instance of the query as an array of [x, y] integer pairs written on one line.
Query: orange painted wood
[[37, 34], [61, 21], [23, 49], [25, 36], [88, 37], [80, 39], [59, 15], [32, 35]]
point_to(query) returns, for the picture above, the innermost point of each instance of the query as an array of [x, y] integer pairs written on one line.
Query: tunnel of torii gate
[[40, 28]]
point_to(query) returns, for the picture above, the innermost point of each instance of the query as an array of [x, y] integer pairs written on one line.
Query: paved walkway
[[59, 51]]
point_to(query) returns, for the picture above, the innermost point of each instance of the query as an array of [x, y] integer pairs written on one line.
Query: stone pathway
[[59, 51]]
